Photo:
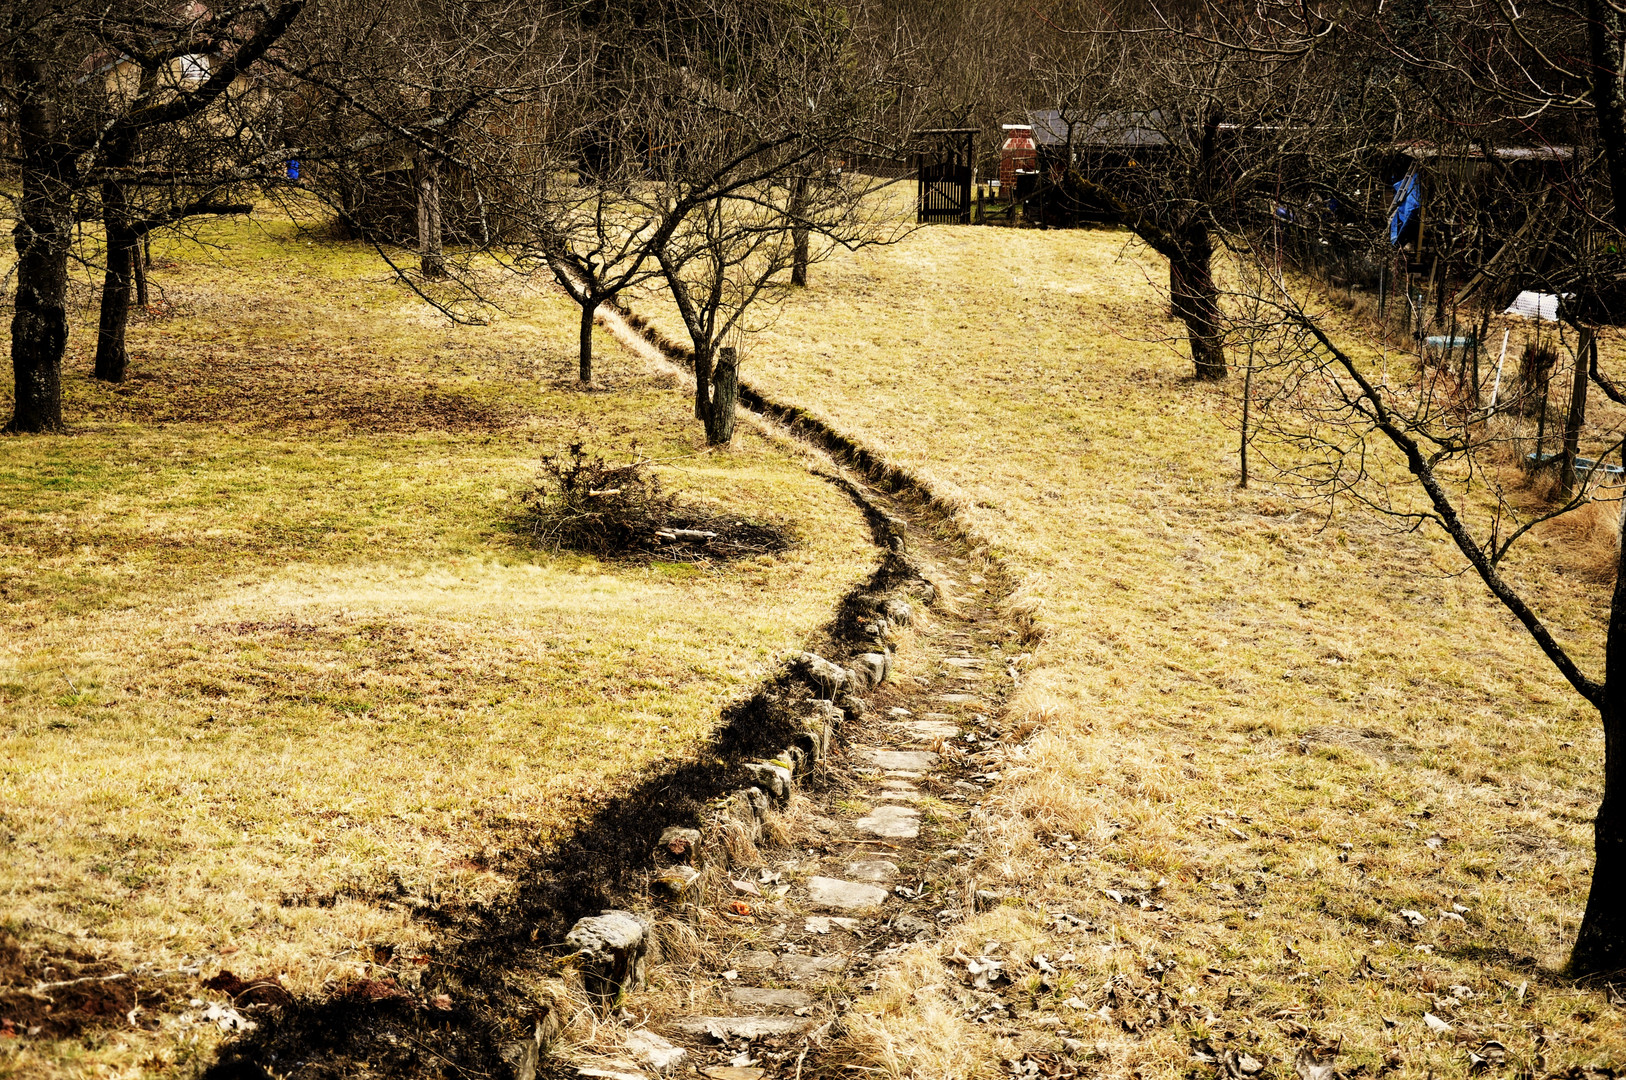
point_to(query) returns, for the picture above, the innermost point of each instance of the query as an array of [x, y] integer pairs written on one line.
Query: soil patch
[[48, 994]]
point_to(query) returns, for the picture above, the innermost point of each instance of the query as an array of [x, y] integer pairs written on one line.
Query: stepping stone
[[917, 760], [614, 1069], [839, 895], [938, 716], [961, 698], [796, 966], [823, 924], [899, 711], [751, 997], [962, 661], [756, 960], [903, 774], [892, 822], [652, 1050], [723, 1028], [873, 869], [927, 730], [898, 785]]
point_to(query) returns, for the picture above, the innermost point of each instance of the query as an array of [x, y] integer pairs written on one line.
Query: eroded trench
[[760, 953]]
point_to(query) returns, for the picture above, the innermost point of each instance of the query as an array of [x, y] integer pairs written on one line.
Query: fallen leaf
[[1435, 1024], [746, 887], [1416, 918]]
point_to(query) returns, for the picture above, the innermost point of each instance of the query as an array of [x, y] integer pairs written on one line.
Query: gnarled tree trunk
[[1194, 299], [39, 327], [725, 393], [123, 252], [585, 360], [1600, 945], [799, 245], [431, 257], [702, 386], [1568, 479]]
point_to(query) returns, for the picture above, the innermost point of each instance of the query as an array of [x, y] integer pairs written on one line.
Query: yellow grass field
[[1280, 730], [273, 667]]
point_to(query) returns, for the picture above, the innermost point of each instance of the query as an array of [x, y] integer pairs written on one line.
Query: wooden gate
[[944, 167]]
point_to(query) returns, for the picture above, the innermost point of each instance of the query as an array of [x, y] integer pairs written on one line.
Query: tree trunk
[[586, 363], [142, 263], [123, 254], [1604, 32], [798, 233], [1568, 482], [1601, 944], [39, 327], [725, 392], [702, 386], [1195, 300], [432, 260]]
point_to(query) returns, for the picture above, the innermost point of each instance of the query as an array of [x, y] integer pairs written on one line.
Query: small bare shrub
[[584, 503]]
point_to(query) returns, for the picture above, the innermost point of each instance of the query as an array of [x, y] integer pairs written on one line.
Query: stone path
[[873, 844]]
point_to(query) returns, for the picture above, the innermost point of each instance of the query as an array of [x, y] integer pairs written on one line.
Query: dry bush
[[1026, 611], [1535, 370], [1590, 537], [583, 503]]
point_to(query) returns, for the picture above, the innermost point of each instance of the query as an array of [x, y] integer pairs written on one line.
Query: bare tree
[[1150, 121], [72, 133], [1513, 153]]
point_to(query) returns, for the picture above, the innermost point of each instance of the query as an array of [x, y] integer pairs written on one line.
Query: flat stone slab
[[926, 730], [751, 997], [757, 960], [897, 785], [652, 1050], [891, 821], [912, 760], [872, 869], [962, 661], [958, 698], [744, 1027], [823, 924], [612, 1070], [838, 895], [796, 966]]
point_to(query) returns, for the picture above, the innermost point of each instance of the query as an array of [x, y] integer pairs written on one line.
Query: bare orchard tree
[[146, 183], [586, 213], [152, 113], [72, 134], [741, 143], [1508, 155], [1147, 121]]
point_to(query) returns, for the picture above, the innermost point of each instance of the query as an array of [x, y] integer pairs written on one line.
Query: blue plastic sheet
[[1408, 197]]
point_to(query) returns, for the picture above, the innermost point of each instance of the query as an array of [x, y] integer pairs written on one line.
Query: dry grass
[[1229, 689], [273, 669]]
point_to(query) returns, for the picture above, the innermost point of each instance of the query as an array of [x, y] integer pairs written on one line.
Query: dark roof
[[1126, 129]]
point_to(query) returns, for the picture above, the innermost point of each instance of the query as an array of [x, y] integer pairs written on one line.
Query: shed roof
[[1051, 127]]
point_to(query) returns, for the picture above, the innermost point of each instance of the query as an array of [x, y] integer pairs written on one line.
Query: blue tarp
[[1408, 197]]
